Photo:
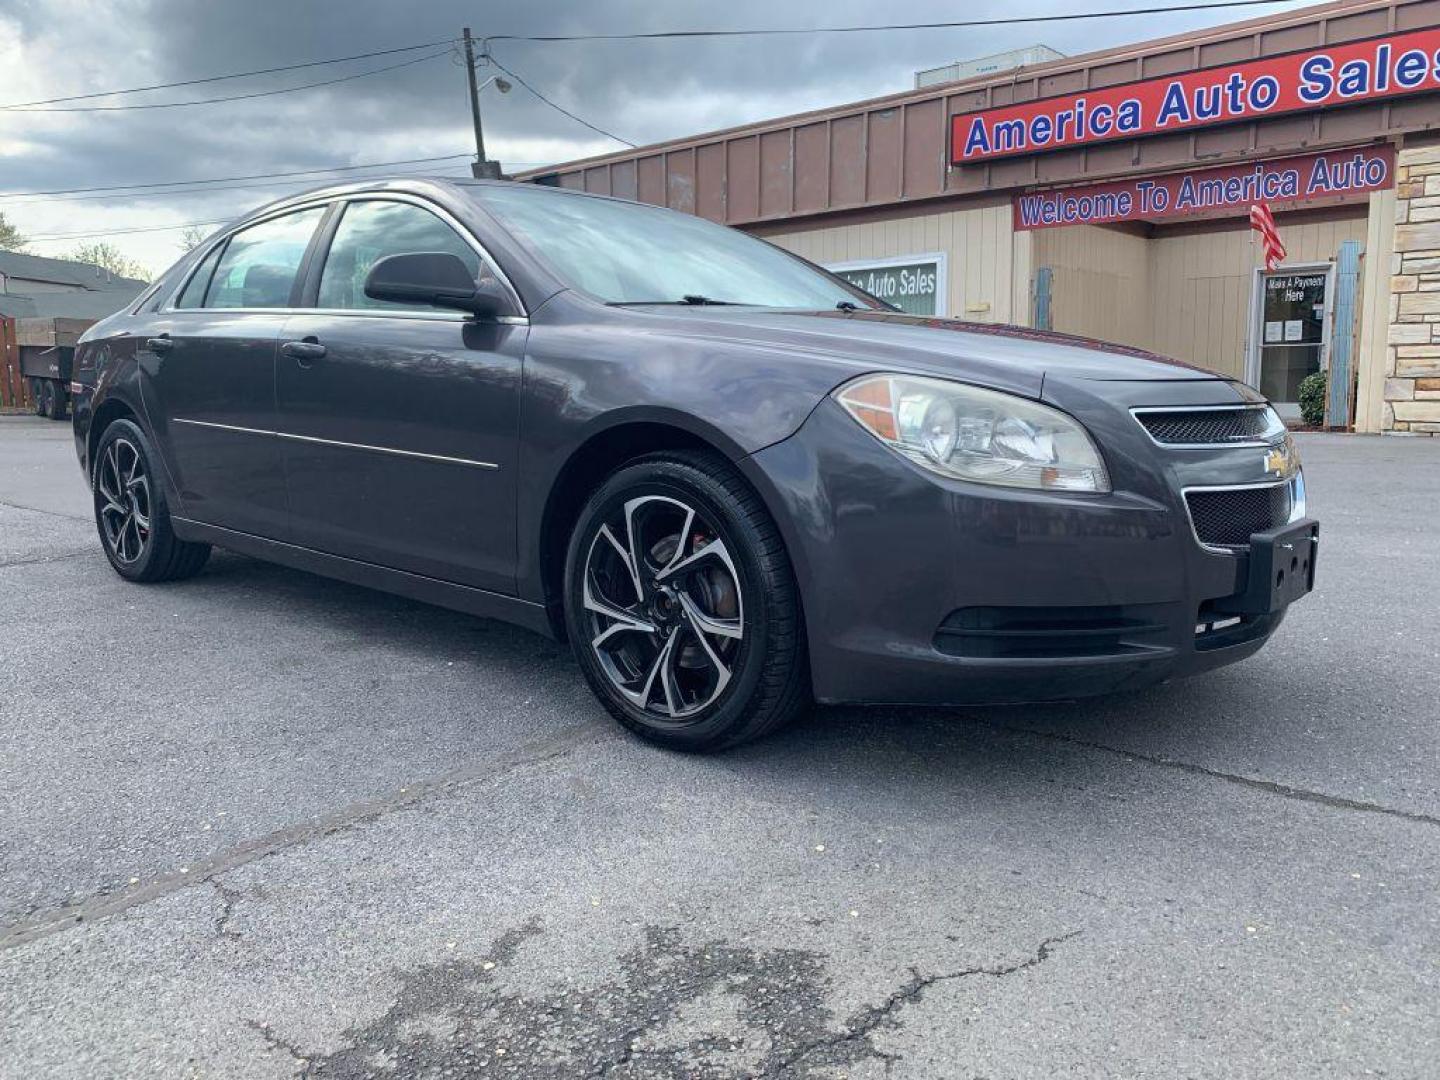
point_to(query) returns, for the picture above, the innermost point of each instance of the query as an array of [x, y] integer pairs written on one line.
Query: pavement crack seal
[[228, 898], [103, 905], [1269, 787], [866, 1021], [47, 513], [55, 557], [671, 1008], [275, 1042]]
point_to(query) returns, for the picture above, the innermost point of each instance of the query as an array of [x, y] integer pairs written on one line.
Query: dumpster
[[47, 350]]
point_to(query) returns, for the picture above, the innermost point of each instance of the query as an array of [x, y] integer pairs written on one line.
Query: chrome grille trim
[[1267, 438], [1295, 484]]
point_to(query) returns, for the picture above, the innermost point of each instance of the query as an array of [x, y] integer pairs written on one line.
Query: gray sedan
[[733, 481]]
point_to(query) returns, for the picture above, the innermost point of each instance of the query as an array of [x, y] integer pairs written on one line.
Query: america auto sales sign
[[1204, 192], [1344, 74]]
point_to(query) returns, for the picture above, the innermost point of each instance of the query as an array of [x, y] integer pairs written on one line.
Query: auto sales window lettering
[[630, 253], [371, 230], [911, 283], [259, 264]]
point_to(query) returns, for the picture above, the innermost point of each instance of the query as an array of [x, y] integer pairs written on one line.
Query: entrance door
[[1292, 337]]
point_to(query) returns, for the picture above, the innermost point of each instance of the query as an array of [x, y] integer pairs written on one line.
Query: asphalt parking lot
[[260, 824]]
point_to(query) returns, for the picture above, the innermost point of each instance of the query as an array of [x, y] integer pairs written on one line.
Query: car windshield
[[630, 253]]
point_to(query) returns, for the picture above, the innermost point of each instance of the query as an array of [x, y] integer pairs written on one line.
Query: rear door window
[[259, 264], [193, 294]]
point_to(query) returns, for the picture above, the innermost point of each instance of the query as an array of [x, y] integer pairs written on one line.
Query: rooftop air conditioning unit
[[1029, 56]]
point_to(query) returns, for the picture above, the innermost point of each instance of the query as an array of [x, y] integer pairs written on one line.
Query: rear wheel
[[131, 514], [681, 605]]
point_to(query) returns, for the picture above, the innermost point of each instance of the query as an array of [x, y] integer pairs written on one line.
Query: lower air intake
[[1049, 632], [1228, 517]]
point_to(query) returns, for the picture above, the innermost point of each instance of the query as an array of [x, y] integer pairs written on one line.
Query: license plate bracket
[[1281, 569]]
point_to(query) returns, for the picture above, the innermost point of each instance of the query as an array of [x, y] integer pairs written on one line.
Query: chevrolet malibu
[[732, 481]]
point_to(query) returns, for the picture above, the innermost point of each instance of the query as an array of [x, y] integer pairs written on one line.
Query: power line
[[127, 232], [635, 36], [228, 179], [949, 25], [235, 75], [559, 108], [232, 97]]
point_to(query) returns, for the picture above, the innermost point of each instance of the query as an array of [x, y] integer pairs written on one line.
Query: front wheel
[[681, 605]]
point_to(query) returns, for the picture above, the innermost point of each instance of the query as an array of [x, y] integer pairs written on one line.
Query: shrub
[[1312, 399]]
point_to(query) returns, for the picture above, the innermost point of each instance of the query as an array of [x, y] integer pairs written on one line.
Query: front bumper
[[928, 591]]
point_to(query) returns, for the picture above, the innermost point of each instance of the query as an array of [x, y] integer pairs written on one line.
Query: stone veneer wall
[[1412, 364]]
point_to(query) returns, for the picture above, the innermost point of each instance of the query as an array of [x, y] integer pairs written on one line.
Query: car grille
[[1198, 427], [1228, 517]]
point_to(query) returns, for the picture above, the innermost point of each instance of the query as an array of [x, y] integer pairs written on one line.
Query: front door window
[[1292, 331]]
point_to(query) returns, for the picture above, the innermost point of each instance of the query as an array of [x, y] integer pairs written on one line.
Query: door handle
[[159, 344], [303, 350]]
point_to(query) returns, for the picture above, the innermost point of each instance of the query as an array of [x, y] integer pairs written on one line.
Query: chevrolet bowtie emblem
[[1276, 460]]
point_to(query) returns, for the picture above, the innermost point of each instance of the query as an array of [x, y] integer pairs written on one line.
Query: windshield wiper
[[688, 300], [847, 305]]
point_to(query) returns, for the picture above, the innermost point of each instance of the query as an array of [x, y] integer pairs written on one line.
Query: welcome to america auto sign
[[1339, 75], [1214, 190]]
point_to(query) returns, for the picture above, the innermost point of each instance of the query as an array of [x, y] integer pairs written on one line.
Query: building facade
[[1108, 195]]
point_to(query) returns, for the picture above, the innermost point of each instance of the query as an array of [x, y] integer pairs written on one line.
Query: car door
[[401, 421], [209, 363]]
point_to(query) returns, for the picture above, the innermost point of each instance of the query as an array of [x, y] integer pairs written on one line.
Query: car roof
[[412, 184]]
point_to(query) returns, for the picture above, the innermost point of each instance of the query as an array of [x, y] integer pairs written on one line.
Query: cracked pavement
[[264, 825]]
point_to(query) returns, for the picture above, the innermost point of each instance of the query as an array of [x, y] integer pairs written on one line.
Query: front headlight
[[972, 434]]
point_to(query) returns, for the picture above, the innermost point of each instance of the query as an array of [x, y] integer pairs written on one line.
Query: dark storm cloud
[[643, 91]]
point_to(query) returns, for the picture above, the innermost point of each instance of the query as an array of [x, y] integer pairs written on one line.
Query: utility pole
[[480, 167]]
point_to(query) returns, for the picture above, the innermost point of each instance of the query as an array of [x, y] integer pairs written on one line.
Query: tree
[[190, 239], [109, 257], [10, 237]]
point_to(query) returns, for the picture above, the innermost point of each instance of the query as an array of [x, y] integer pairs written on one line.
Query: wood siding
[[1100, 282], [1201, 282], [980, 271], [1183, 293]]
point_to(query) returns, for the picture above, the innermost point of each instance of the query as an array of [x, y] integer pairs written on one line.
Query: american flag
[[1263, 222]]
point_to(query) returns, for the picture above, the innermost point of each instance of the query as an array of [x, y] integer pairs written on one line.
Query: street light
[[481, 167]]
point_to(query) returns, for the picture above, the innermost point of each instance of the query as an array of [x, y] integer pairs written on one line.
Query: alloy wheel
[[121, 483], [663, 606]]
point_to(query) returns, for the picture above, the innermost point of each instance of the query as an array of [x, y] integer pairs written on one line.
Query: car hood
[[981, 352]]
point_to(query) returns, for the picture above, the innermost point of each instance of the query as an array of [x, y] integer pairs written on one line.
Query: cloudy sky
[[641, 91]]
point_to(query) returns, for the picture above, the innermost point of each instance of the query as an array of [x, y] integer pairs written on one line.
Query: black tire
[[767, 682], [59, 400], [42, 389], [149, 552]]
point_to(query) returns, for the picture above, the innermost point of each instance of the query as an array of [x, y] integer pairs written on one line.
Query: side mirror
[[439, 279]]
